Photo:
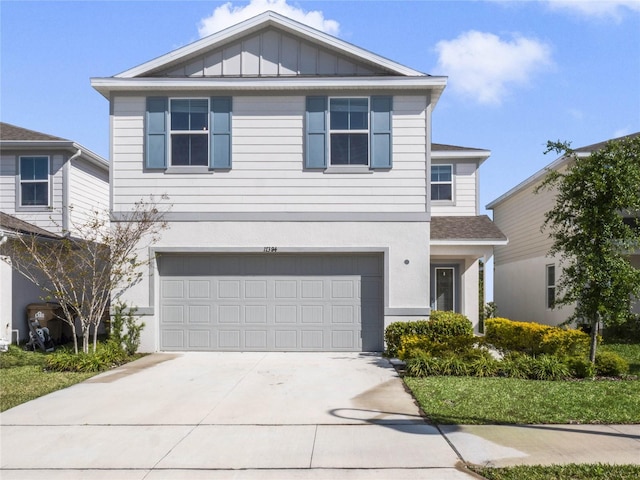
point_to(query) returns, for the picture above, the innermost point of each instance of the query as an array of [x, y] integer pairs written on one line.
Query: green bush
[[516, 365], [423, 365], [534, 338], [484, 366], [581, 367], [549, 367], [125, 331], [107, 355], [444, 328], [610, 364]]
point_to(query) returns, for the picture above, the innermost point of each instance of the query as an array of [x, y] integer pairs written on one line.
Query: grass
[[472, 400], [569, 472], [22, 377]]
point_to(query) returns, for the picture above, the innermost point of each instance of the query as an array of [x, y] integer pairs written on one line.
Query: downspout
[[66, 189]]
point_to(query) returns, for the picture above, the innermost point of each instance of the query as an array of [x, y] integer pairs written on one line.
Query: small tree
[[594, 227], [83, 271]]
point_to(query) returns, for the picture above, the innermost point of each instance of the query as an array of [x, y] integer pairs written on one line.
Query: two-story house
[[47, 183], [524, 274], [300, 173]]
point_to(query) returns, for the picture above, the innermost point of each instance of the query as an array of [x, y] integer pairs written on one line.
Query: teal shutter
[[316, 133], [220, 127], [156, 132], [381, 140]]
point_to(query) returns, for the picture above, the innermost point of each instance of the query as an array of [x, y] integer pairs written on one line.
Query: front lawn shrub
[[581, 367], [516, 365], [610, 364], [534, 338], [454, 366], [549, 367], [484, 366], [106, 356], [423, 365], [443, 331]]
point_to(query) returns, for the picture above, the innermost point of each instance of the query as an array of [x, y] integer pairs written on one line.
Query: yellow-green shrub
[[534, 338]]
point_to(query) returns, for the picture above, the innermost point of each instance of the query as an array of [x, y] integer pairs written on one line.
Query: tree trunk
[[595, 323], [95, 337]]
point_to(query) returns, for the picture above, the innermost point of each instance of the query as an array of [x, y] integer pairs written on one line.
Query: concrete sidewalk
[[269, 416]]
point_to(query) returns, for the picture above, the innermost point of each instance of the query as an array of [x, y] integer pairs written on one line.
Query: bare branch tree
[[94, 262]]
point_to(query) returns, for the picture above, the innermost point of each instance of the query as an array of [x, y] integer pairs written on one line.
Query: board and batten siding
[[465, 194], [268, 164], [43, 217], [521, 219]]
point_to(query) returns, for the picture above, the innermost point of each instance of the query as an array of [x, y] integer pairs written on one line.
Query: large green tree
[[594, 225]]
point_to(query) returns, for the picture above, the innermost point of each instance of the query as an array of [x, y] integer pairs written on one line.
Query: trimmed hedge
[[534, 338], [440, 328]]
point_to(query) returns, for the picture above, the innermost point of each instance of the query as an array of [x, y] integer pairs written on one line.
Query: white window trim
[[20, 182], [452, 183], [548, 286], [453, 276], [348, 168], [180, 168]]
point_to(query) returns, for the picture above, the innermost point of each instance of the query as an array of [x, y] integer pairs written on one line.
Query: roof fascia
[[56, 145], [111, 84], [256, 23], [470, 242], [481, 155], [536, 177]]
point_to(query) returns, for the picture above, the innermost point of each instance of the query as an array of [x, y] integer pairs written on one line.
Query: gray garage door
[[271, 302]]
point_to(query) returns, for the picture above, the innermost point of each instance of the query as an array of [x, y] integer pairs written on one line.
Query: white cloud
[[483, 67], [227, 15], [614, 9]]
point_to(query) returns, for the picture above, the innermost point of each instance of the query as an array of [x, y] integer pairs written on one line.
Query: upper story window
[[189, 119], [349, 131], [442, 182], [551, 286], [34, 181]]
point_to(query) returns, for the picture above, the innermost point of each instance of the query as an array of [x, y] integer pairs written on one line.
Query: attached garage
[[271, 302]]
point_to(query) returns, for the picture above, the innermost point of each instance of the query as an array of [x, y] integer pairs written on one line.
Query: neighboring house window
[[551, 286], [445, 289], [354, 131], [349, 131], [34, 181], [442, 182], [188, 132]]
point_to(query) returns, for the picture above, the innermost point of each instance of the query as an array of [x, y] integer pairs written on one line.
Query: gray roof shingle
[[465, 228], [10, 132], [9, 222]]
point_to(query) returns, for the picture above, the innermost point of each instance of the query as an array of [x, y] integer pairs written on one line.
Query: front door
[[445, 289]]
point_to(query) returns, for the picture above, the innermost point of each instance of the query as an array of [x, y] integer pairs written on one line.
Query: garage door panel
[[271, 302]]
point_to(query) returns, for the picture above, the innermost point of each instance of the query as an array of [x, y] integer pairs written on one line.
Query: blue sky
[[520, 73]]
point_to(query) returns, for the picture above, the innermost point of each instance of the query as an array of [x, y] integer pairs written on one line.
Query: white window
[[189, 121], [442, 182], [349, 131], [34, 181], [551, 286]]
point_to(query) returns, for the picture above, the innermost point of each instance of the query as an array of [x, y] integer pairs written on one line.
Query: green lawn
[[559, 472], [471, 400], [22, 377]]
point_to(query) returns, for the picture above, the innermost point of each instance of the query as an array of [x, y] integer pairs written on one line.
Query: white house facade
[[298, 172], [47, 184], [524, 274]]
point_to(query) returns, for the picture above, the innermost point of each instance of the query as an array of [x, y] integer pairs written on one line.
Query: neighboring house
[[524, 275], [300, 171], [46, 184]]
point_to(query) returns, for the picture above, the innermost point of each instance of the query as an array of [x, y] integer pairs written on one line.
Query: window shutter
[[316, 133], [381, 141], [220, 126], [156, 132]]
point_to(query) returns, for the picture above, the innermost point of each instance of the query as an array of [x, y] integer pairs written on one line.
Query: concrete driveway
[[229, 415]]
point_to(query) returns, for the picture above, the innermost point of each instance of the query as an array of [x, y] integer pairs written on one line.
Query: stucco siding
[[268, 174]]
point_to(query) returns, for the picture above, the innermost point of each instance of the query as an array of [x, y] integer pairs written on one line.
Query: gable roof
[[14, 225], [556, 164], [13, 137], [199, 65]]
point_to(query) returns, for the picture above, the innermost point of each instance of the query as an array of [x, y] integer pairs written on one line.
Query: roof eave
[[470, 242], [38, 145]]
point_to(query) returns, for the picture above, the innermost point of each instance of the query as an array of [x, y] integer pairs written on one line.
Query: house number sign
[[270, 249]]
